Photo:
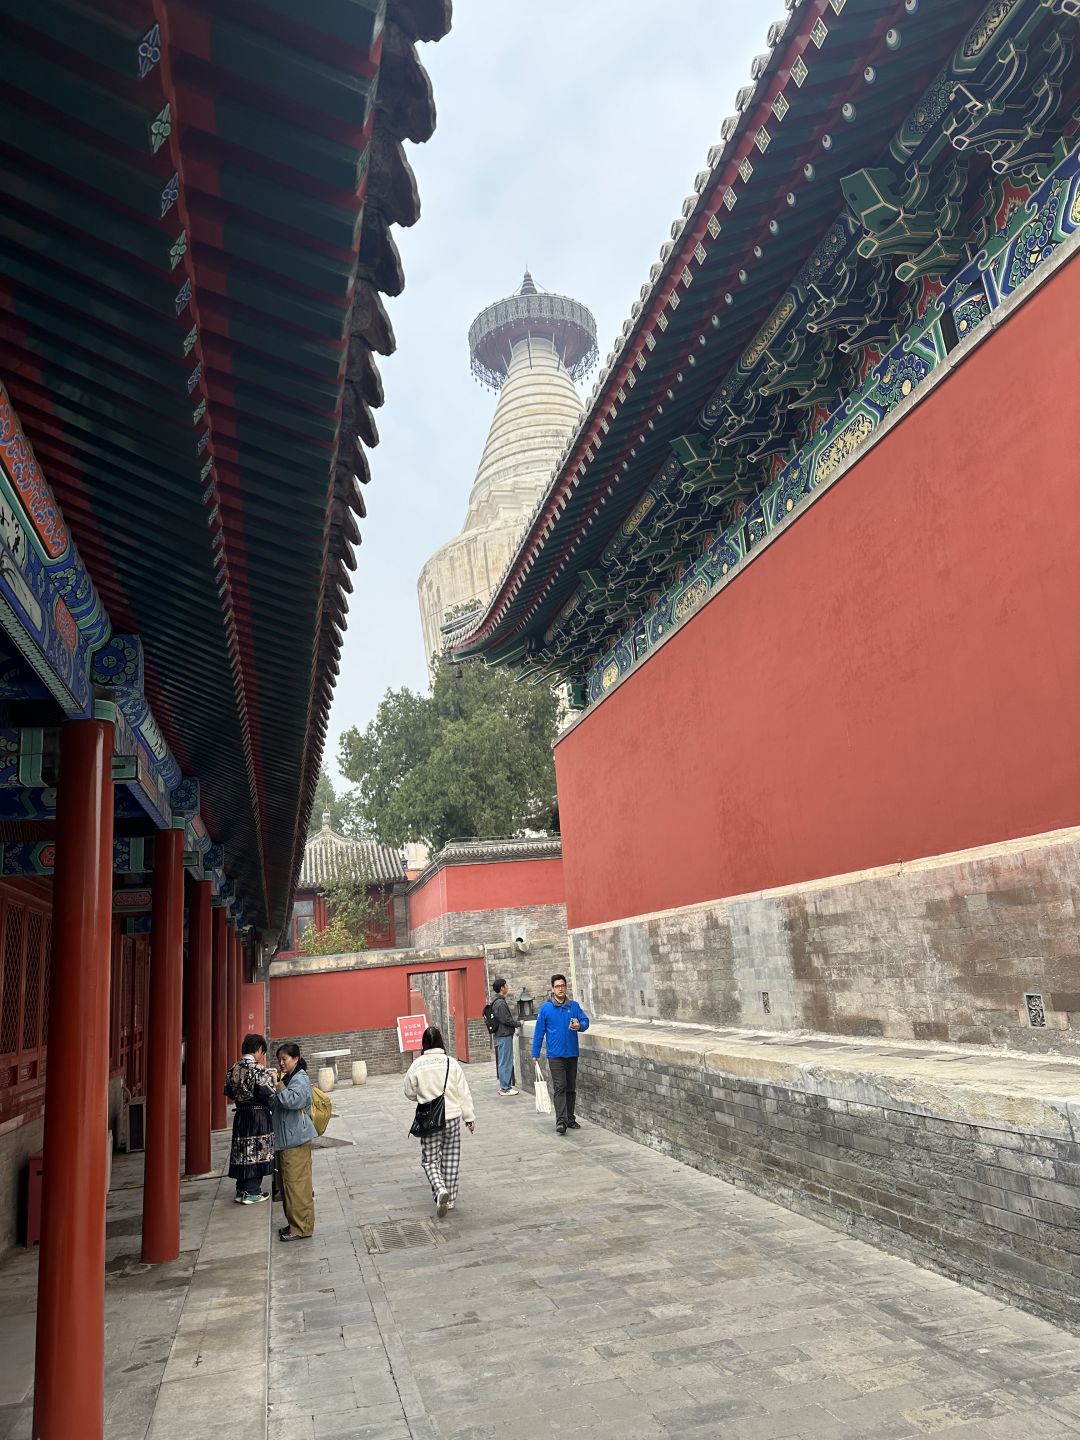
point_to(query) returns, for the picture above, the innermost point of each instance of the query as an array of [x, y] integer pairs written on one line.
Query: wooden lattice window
[[25, 958], [10, 1015]]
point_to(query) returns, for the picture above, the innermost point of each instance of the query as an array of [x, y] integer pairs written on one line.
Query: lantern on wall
[[526, 1005]]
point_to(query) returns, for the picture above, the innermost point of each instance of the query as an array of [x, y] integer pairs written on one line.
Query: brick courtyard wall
[[988, 1204], [943, 949], [338, 1002], [532, 971], [491, 927], [480, 1047], [489, 887], [378, 1047]]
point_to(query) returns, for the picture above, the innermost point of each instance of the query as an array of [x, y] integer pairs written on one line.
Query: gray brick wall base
[[938, 949], [491, 927], [378, 1047]]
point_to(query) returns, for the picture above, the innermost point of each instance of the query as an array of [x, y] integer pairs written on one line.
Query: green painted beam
[[92, 107], [357, 22], [99, 38]]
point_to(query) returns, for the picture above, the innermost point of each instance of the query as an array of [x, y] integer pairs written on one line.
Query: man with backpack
[[500, 1021]]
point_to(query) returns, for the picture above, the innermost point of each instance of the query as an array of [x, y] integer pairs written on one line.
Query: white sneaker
[[442, 1204], [511, 1091], [451, 1205]]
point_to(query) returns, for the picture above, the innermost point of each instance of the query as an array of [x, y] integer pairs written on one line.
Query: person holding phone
[[557, 1026], [294, 1134]]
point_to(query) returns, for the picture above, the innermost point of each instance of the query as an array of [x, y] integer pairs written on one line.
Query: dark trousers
[[563, 1086], [250, 1187]]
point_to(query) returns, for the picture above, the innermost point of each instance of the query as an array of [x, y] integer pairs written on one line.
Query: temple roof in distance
[[838, 81], [329, 857], [194, 242]]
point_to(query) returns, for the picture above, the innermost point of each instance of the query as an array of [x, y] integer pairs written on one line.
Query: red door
[[455, 993]]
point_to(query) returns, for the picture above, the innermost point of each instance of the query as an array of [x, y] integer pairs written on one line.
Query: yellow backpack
[[322, 1107]]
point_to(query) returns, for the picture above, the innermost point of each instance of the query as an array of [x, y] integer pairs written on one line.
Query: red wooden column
[[232, 1015], [219, 1049], [197, 1153], [69, 1379], [241, 1028], [161, 1185]]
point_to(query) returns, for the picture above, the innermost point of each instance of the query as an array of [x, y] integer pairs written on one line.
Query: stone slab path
[[589, 1286], [144, 1304]]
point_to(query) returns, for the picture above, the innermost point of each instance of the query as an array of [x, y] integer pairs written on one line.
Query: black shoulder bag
[[430, 1115]]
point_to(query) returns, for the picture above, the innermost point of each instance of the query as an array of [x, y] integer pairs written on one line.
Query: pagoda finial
[[528, 285], [326, 819]]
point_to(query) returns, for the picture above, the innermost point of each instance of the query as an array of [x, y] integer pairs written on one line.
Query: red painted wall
[[368, 999], [898, 675], [497, 886]]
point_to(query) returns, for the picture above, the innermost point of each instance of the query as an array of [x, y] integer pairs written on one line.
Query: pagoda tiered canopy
[[195, 240], [893, 174]]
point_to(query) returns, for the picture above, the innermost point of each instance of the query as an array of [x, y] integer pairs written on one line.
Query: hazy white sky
[[569, 133]]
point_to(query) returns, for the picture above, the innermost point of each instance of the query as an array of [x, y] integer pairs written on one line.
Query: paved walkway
[[588, 1286], [144, 1305]]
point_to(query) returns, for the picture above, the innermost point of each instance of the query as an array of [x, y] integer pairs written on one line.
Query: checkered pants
[[440, 1155]]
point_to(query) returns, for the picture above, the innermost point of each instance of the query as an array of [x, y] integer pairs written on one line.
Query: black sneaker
[[560, 1129], [572, 1125]]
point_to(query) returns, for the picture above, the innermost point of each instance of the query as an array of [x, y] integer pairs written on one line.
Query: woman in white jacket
[[431, 1074]]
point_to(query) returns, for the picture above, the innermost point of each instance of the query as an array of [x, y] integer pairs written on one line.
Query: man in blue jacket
[[558, 1024]]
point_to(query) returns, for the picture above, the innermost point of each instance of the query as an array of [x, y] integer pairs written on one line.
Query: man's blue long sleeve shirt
[[553, 1026]]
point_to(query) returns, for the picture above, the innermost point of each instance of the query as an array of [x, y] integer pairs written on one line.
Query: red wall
[[367, 999], [496, 886], [897, 675]]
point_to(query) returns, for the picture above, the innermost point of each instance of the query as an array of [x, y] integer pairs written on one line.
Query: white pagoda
[[531, 348]]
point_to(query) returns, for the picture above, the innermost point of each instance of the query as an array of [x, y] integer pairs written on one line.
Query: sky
[[569, 133]]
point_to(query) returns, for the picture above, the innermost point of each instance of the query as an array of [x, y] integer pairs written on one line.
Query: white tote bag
[[543, 1099]]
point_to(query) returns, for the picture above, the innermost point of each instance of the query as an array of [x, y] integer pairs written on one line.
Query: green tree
[[325, 800], [471, 759], [352, 912]]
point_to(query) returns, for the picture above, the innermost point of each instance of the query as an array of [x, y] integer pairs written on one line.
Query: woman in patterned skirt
[[250, 1086]]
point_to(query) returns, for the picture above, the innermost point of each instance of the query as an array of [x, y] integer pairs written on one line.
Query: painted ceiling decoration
[[833, 254]]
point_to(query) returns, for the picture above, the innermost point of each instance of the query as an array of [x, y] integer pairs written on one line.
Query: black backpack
[[489, 1018]]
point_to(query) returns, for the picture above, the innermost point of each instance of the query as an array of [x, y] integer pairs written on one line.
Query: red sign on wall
[[410, 1031]]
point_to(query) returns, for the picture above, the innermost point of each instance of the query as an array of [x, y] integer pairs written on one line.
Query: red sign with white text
[[410, 1031]]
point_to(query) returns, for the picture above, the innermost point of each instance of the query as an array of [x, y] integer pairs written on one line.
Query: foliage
[[334, 938], [471, 759], [353, 914], [325, 800]]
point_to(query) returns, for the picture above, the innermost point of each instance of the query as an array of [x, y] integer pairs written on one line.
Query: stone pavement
[[589, 1286], [144, 1305]]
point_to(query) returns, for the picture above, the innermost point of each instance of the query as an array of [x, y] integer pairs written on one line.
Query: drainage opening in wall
[[1036, 1010], [766, 1004]]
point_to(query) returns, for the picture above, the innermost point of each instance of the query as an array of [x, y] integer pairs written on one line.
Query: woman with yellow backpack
[[294, 1131]]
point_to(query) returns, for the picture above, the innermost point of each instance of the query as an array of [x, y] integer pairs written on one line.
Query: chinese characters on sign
[[410, 1031]]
